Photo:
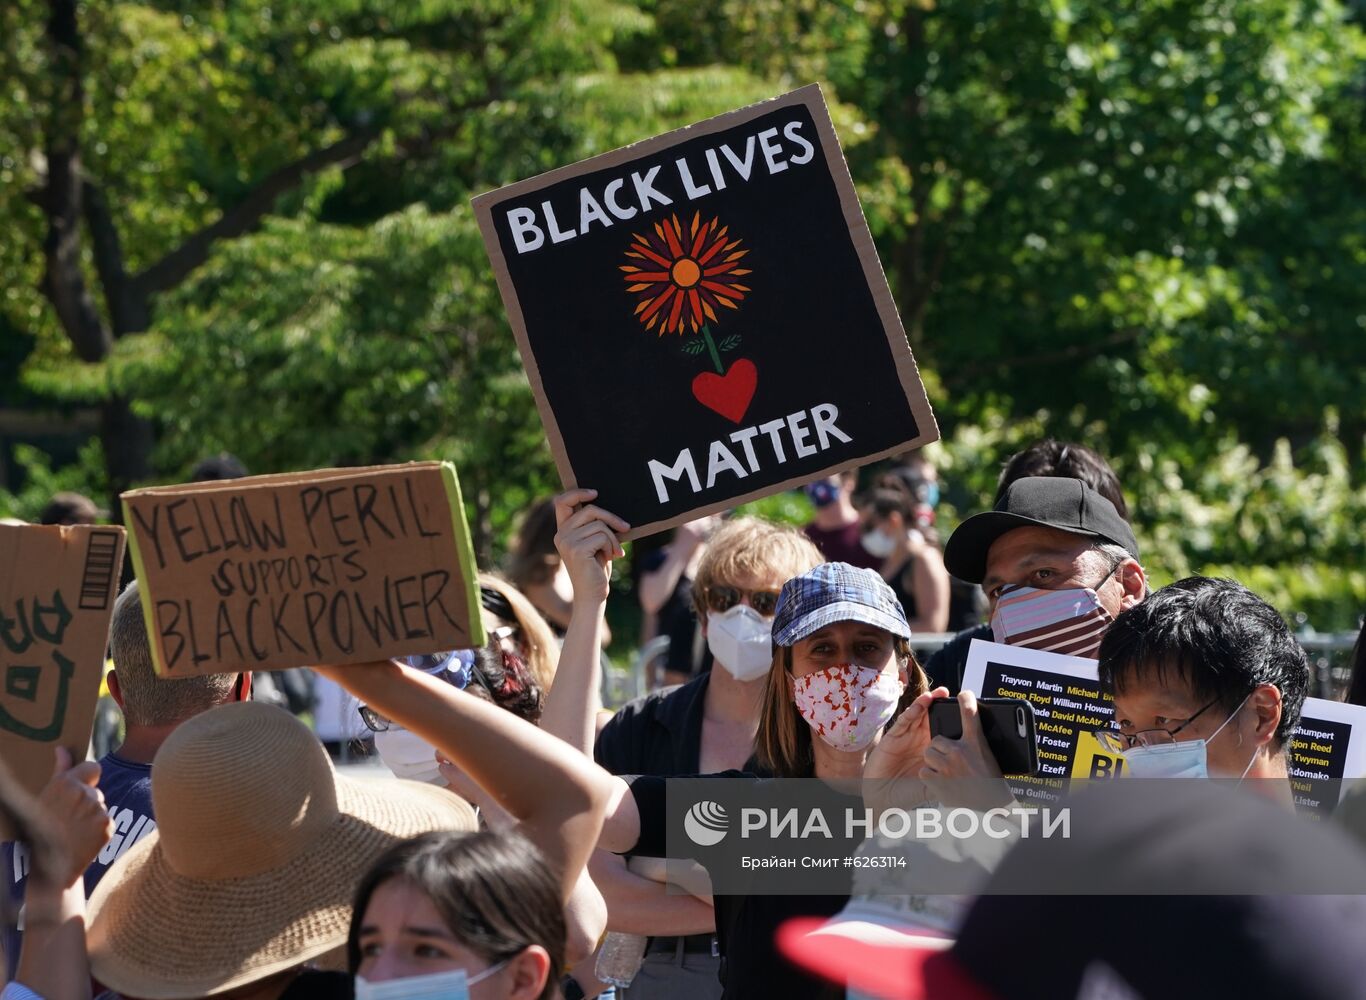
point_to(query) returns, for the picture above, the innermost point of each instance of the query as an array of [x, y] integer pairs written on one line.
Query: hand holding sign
[[337, 565], [587, 542], [74, 802], [710, 302], [57, 587]]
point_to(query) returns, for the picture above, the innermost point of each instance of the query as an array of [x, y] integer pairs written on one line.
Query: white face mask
[[879, 544], [408, 756], [741, 640], [1184, 759], [436, 986]]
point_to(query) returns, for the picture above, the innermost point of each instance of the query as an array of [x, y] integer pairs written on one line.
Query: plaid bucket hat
[[836, 592]]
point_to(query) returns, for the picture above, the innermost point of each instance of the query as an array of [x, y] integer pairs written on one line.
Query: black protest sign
[[326, 567], [703, 317], [1069, 706], [1327, 752], [57, 590]]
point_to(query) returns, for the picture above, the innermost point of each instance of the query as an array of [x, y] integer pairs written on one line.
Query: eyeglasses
[[721, 599], [1114, 740], [459, 677]]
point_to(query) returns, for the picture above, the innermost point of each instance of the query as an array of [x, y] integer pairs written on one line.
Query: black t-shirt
[[659, 733], [746, 925], [902, 584]]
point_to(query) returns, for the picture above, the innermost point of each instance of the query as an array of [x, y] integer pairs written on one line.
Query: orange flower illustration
[[685, 274]]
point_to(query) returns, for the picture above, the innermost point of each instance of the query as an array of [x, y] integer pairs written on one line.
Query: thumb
[[61, 761], [972, 722], [87, 772]]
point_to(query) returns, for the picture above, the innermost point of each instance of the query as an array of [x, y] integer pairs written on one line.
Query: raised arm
[[587, 543], [658, 585], [53, 960], [558, 796]]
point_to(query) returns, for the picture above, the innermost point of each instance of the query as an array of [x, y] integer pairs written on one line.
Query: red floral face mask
[[847, 705]]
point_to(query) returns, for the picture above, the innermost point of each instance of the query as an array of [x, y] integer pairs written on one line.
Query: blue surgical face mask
[[1183, 759], [453, 985]]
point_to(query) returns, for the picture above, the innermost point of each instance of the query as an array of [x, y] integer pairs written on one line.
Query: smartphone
[[1007, 723]]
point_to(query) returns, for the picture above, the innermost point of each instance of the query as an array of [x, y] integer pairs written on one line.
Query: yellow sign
[[1094, 761]]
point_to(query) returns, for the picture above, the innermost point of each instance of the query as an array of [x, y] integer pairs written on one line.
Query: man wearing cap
[[1056, 560], [1046, 457]]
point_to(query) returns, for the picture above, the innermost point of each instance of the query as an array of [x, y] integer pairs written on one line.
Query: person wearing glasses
[[500, 671], [1208, 681], [503, 672], [701, 727]]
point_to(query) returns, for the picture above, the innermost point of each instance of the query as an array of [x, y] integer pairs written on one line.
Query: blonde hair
[[752, 547], [783, 744], [543, 649]]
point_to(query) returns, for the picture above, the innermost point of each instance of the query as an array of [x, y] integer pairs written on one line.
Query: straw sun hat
[[258, 850]]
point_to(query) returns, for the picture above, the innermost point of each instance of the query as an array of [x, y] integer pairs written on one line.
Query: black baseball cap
[[1202, 890], [1038, 501]]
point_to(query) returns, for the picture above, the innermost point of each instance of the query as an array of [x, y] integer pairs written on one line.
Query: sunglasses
[[722, 599], [460, 677]]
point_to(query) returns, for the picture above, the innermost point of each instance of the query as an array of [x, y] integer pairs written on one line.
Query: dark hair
[[533, 558], [1356, 692], [218, 467], [910, 480], [1216, 635], [69, 508], [892, 496], [511, 684], [1065, 460], [887, 500], [494, 891]]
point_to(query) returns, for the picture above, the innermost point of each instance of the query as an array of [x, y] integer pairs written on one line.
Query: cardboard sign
[[334, 566], [1068, 707], [1326, 753], [703, 317], [57, 590]]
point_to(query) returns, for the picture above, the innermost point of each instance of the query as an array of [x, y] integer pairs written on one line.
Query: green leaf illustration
[[694, 347], [731, 342]]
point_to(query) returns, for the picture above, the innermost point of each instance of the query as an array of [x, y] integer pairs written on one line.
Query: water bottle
[[619, 958]]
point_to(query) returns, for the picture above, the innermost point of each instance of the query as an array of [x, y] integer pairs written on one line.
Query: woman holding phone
[[844, 700]]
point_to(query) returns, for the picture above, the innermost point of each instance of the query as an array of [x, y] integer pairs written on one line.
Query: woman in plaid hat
[[842, 671]]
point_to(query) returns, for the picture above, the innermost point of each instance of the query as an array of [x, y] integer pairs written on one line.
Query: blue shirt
[[127, 789]]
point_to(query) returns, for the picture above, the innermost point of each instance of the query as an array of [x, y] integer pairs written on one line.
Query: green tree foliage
[[1135, 224]]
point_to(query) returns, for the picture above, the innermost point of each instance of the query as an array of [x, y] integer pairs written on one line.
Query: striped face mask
[[1070, 621]]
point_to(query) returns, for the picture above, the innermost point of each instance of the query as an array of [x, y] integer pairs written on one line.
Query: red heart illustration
[[728, 394]]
